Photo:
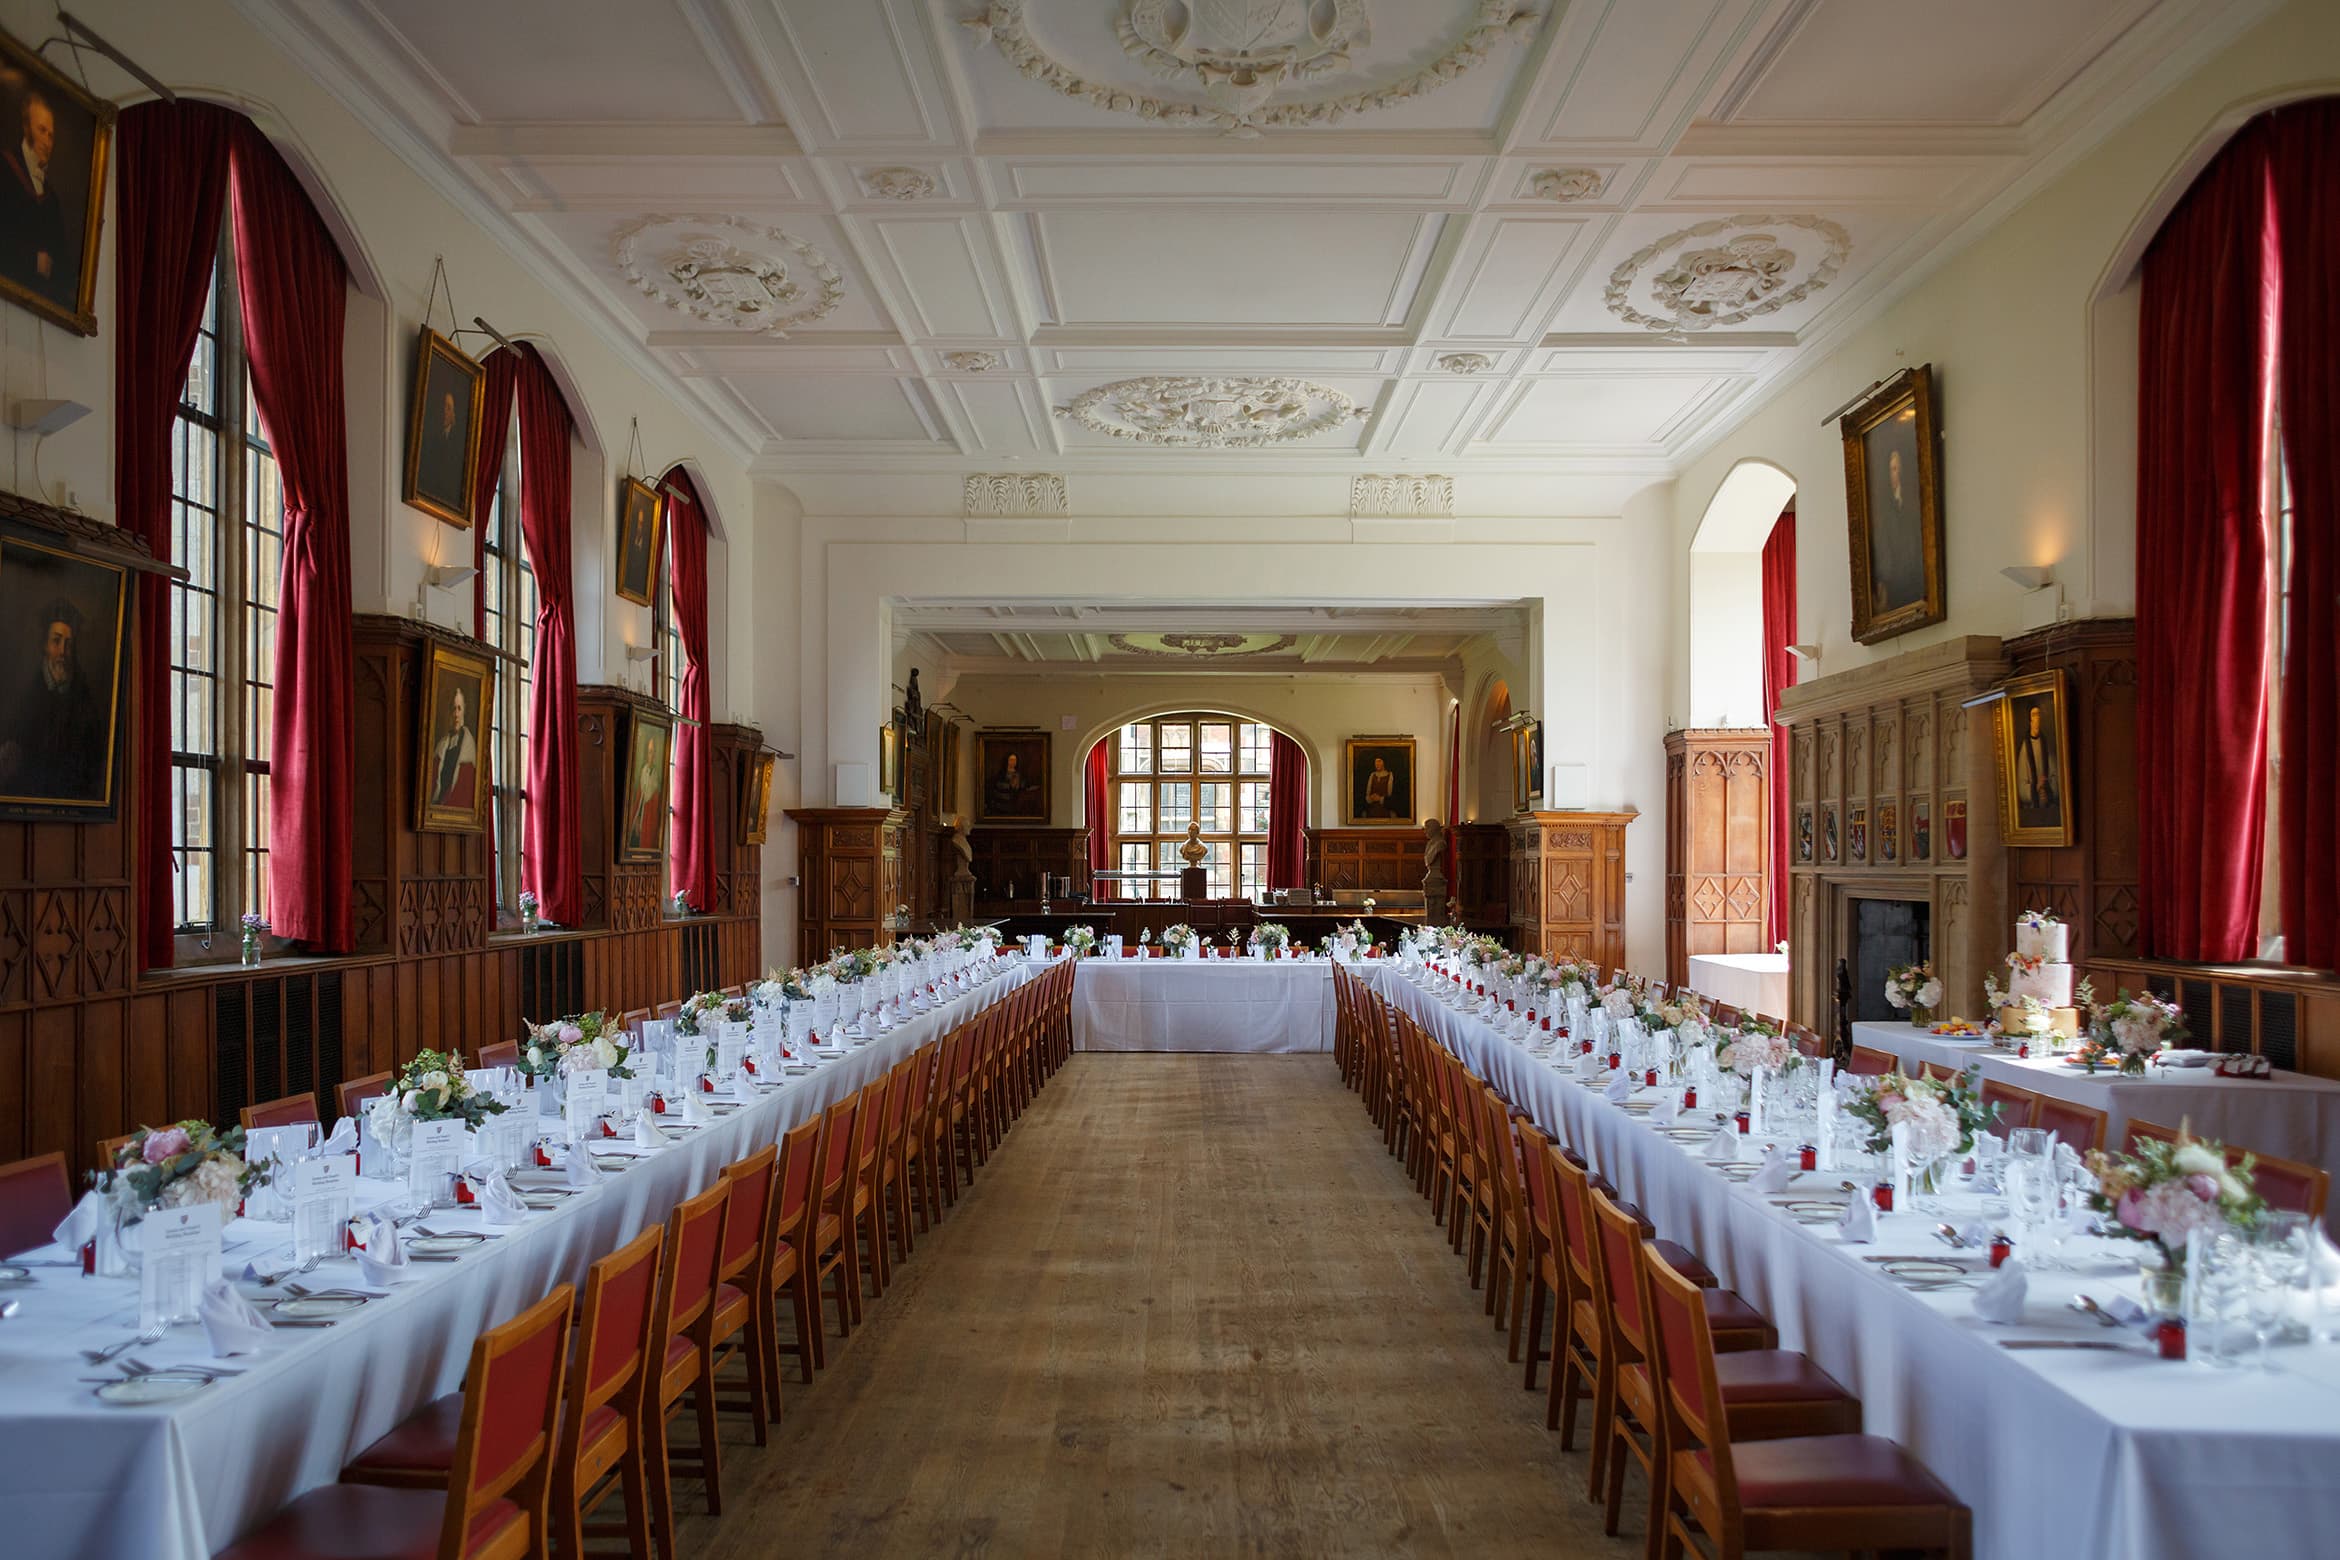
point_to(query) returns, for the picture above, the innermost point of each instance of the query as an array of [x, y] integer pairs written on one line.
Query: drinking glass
[[2031, 1201], [2281, 1245]]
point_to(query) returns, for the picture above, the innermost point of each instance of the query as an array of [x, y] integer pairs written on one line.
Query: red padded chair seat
[[1685, 1262], [1726, 1312], [424, 1442], [1773, 1376], [367, 1522], [1833, 1470], [731, 1304], [679, 1352]]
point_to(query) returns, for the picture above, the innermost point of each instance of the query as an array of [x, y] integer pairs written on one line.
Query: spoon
[[1949, 1236], [2088, 1307]]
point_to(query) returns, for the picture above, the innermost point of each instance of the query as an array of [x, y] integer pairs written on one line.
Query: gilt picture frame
[[641, 823], [51, 216], [451, 779], [641, 513], [1378, 781], [2035, 761], [755, 797], [442, 430], [62, 693], [1893, 506], [1011, 776]]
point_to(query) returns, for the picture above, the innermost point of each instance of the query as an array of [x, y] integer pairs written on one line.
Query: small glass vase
[[1920, 1017], [250, 956], [2161, 1287], [528, 918]]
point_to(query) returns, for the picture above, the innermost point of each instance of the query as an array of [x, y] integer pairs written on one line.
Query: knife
[[2064, 1343]]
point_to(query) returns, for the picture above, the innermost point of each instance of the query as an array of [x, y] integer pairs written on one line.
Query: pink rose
[[2131, 1211], [571, 1034], [2203, 1186], [168, 1143], [1887, 1100]]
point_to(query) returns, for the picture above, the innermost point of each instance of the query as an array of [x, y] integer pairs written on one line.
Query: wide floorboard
[[1191, 1308]]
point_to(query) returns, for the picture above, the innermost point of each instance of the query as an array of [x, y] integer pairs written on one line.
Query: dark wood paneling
[[1365, 860], [1568, 885], [849, 863], [1482, 876], [1718, 843], [1009, 861]]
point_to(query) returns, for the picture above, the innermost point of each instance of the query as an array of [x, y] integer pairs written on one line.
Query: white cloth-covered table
[[2289, 1115], [2060, 1453], [1750, 982], [79, 1479], [1203, 1005]]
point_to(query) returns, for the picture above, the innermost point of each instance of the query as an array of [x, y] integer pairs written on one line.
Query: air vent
[[300, 1049], [2234, 1018], [329, 1064], [230, 1020], [2194, 997], [2279, 1029], [267, 1041]]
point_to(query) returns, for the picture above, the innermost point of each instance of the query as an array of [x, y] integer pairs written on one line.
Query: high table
[[2059, 1452], [80, 1479], [1244, 1004], [1750, 982]]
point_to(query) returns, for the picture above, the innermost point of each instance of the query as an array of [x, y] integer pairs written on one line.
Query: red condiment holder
[[1882, 1196]]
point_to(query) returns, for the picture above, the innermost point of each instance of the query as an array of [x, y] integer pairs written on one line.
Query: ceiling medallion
[[1464, 362], [1566, 184], [1239, 56], [1198, 411], [729, 272], [1727, 283], [1197, 647], [897, 183], [975, 360]]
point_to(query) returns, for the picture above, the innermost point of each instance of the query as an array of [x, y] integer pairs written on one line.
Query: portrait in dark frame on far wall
[[54, 140], [1381, 780], [442, 430], [640, 512], [1011, 776], [451, 778], [1893, 504], [642, 807], [60, 681], [2035, 761]]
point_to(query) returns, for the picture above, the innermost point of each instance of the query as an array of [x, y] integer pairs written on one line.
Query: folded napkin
[[743, 1086], [2127, 1312], [231, 1323], [2000, 1297], [81, 1226], [1619, 1088], [344, 1139], [383, 1260], [1723, 1147], [694, 1110], [498, 1203], [646, 1133], [1976, 1234], [1858, 1225], [1778, 1169], [1667, 1109], [582, 1172]]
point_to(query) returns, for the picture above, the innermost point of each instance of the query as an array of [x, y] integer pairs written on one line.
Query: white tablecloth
[[1203, 1005], [2060, 1453], [2290, 1115], [79, 1479], [1750, 982]]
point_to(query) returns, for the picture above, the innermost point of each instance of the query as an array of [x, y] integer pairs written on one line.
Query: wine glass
[[2031, 1200]]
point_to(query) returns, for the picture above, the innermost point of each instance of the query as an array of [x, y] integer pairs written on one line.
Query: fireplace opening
[[1885, 933]]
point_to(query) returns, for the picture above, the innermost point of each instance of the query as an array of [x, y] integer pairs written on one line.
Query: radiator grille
[[2234, 1018], [2279, 1029], [2194, 997], [230, 1020]]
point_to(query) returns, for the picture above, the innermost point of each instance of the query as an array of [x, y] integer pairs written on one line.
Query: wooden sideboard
[[1718, 843], [849, 866], [1568, 885], [1365, 860]]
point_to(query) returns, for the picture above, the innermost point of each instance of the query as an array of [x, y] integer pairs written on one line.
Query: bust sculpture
[[1194, 850]]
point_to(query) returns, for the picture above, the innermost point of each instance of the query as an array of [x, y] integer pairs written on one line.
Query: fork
[[152, 1334], [134, 1366]]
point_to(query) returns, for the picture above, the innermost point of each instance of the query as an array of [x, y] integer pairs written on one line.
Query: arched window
[[508, 609], [1198, 768]]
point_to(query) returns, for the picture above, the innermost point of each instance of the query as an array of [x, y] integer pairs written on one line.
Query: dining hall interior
[[1169, 777]]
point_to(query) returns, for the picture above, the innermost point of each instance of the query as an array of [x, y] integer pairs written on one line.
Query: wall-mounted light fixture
[[1804, 652], [640, 653], [2043, 598]]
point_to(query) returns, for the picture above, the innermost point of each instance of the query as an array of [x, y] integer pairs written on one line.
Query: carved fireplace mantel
[[1894, 794]]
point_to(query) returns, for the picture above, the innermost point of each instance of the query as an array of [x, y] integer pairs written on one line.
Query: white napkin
[[694, 1109], [1858, 1226], [1976, 1234], [581, 1170], [384, 1260], [231, 1323], [1778, 1169], [498, 1203], [344, 1139], [1667, 1109], [81, 1226], [2127, 1312], [743, 1086], [1618, 1089], [2000, 1297], [1723, 1147], [646, 1133]]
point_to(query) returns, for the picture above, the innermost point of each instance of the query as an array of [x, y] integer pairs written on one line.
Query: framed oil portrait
[[61, 682], [54, 140], [890, 759], [642, 799], [451, 782], [1011, 775], [1893, 499], [755, 797], [442, 430], [2035, 761], [1527, 765], [1380, 772], [640, 514]]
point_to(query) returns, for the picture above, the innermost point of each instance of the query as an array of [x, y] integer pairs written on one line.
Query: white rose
[[1930, 994], [2194, 1159], [1895, 995], [605, 1051]]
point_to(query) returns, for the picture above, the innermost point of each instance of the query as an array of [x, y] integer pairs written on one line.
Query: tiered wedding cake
[[2039, 988]]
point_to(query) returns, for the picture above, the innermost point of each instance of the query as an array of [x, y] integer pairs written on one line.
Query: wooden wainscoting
[[1718, 843], [2291, 1017], [1365, 860], [1568, 885], [1482, 877], [1009, 861]]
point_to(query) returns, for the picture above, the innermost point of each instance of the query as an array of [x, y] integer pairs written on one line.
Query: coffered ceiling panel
[[591, 60], [839, 408], [1308, 269], [1596, 411]]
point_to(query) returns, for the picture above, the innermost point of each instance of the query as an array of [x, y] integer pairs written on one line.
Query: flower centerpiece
[[1269, 938], [704, 1011], [1756, 1044], [1915, 989], [1180, 938], [1081, 940], [527, 904], [432, 1087], [255, 927], [1942, 1118], [178, 1166], [576, 1043], [2163, 1191], [2127, 1031]]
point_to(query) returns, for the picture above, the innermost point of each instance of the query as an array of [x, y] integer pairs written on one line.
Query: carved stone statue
[[1194, 852], [1433, 866], [913, 708]]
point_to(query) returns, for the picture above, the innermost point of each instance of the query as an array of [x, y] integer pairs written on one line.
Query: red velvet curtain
[[495, 427], [2303, 149], [1453, 816], [1097, 803], [551, 858], [294, 287], [694, 772], [170, 184], [1779, 675], [2203, 411], [1287, 853]]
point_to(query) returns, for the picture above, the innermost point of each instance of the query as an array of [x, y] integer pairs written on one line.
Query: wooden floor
[[1191, 1308]]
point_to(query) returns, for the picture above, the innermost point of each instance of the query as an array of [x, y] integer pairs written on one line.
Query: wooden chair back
[[746, 1222], [1682, 1347], [2016, 1104], [351, 1093], [109, 1148], [794, 1202], [291, 1110], [614, 1328], [511, 1416], [2287, 1184], [2079, 1127], [686, 1273], [504, 1053], [1869, 1062], [35, 1196]]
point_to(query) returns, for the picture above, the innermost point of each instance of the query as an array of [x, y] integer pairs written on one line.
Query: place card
[[320, 1192], [433, 1153], [178, 1251], [586, 1101], [730, 1043]]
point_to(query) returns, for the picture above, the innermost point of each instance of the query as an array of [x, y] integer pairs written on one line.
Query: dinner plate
[[1738, 1170], [10, 1273], [446, 1245], [1923, 1270], [310, 1307], [798, 1069], [541, 1202], [1640, 1104], [159, 1386], [1810, 1211]]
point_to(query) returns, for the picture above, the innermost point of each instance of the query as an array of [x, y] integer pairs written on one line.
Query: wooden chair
[[743, 1297], [351, 1093], [289, 1111], [602, 1445], [1826, 1492], [1938, 1072], [2287, 1184], [1778, 1393], [2016, 1104], [1869, 1062], [682, 1353], [902, 1107], [35, 1196], [1807, 1042], [2078, 1127], [790, 1237], [833, 1253], [671, 1009], [504, 1053], [632, 1020], [1546, 1273], [1507, 1185], [109, 1147], [490, 1498], [869, 1132], [2143, 1131]]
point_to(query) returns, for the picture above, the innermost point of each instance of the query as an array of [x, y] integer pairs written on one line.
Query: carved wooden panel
[[1365, 860], [1008, 863], [1568, 884], [1718, 834], [848, 860]]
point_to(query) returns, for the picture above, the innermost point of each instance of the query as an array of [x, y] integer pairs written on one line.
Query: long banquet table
[[179, 1482], [1245, 1004], [2059, 1452]]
